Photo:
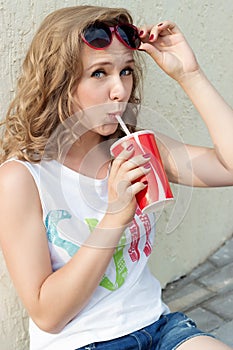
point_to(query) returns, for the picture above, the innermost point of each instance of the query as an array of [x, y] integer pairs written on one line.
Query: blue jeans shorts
[[167, 333]]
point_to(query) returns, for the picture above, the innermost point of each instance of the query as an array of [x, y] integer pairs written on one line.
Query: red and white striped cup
[[158, 192]]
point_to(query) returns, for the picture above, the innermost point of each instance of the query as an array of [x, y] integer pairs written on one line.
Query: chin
[[107, 129]]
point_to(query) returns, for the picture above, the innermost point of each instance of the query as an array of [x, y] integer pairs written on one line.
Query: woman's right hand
[[123, 185], [166, 44]]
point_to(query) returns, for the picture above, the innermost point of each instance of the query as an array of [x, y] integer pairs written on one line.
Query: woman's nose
[[118, 90]]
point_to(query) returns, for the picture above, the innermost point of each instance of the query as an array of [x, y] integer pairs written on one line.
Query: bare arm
[[192, 165], [215, 112], [186, 164]]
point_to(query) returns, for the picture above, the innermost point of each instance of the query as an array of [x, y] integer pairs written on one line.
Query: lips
[[112, 117]]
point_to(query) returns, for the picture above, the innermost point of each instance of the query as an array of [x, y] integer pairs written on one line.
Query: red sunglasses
[[99, 35]]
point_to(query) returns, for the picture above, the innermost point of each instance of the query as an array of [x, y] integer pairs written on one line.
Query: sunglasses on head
[[99, 35]]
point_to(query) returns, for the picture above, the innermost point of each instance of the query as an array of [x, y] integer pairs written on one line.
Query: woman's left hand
[[168, 47]]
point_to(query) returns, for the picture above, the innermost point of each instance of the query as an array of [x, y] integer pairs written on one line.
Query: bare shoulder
[[15, 179], [19, 196], [12, 170]]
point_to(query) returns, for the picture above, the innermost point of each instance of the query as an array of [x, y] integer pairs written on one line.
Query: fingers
[[150, 33], [126, 154], [130, 167], [126, 171], [167, 28], [125, 181], [160, 42]]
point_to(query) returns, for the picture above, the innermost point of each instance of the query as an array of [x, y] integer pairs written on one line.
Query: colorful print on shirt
[[55, 216]]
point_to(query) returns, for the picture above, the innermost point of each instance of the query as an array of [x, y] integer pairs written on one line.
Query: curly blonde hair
[[50, 72]]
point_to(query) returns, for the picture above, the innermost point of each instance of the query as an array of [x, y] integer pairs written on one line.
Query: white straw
[[122, 124]]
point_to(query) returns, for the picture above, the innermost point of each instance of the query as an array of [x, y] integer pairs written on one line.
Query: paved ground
[[206, 294]]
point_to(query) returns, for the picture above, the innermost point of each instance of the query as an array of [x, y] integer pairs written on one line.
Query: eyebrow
[[107, 63]]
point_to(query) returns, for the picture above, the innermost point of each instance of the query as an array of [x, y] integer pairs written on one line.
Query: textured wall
[[202, 218]]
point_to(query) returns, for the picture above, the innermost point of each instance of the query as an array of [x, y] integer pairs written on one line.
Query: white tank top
[[128, 297]]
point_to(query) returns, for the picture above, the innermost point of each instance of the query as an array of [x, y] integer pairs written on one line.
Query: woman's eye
[[127, 71], [98, 74]]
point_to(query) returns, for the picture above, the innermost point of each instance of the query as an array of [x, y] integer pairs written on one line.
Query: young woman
[[68, 211]]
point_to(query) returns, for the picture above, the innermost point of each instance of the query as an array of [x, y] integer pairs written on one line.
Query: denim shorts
[[167, 333]]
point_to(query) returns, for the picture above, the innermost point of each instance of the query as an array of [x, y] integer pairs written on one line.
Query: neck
[[89, 155]]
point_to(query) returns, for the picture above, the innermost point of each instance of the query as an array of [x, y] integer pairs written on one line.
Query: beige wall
[[201, 219]]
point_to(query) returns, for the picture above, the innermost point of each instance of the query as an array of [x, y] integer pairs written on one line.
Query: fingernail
[[151, 37], [160, 24], [146, 155], [130, 147], [141, 32], [145, 183], [147, 166]]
